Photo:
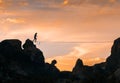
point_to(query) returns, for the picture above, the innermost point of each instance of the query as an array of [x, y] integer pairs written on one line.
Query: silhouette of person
[[35, 37]]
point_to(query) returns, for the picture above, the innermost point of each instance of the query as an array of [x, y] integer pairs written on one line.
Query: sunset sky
[[67, 29]]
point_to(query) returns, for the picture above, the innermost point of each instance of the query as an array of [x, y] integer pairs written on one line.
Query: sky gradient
[[67, 29]]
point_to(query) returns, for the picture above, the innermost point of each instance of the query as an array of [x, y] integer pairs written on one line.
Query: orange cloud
[[66, 2], [23, 3], [89, 53], [112, 1], [1, 1], [13, 20], [92, 61], [2, 5]]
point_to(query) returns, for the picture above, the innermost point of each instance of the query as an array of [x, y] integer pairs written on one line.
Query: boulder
[[52, 69], [82, 72], [78, 66], [34, 53], [29, 44], [25, 65], [11, 48]]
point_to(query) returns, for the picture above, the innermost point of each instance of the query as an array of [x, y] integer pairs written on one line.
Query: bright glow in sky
[[61, 25]]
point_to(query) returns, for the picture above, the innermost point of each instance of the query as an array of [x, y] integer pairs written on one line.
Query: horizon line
[[75, 41]]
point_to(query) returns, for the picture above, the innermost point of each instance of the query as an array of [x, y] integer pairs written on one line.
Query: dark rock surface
[[78, 66], [34, 53], [113, 61], [26, 64], [10, 48], [82, 72], [105, 72]]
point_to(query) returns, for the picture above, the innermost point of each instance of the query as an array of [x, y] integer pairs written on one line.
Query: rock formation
[[26, 64], [82, 72], [113, 61], [115, 77], [34, 53], [78, 66], [10, 48]]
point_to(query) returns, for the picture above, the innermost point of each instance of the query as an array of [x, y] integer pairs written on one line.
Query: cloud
[[66, 24], [112, 1], [39, 4], [29, 4], [23, 3], [66, 2], [15, 20], [1, 1], [12, 20], [89, 53], [90, 2]]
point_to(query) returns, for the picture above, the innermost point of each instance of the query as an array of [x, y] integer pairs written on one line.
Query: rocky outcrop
[[10, 48], [78, 66], [113, 61], [34, 53], [114, 77], [24, 65], [117, 75], [82, 72], [105, 72], [51, 68]]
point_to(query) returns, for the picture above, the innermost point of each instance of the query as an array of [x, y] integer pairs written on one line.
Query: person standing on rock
[[35, 38]]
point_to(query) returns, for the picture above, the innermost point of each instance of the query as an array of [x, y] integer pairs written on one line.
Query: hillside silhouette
[[26, 64]]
